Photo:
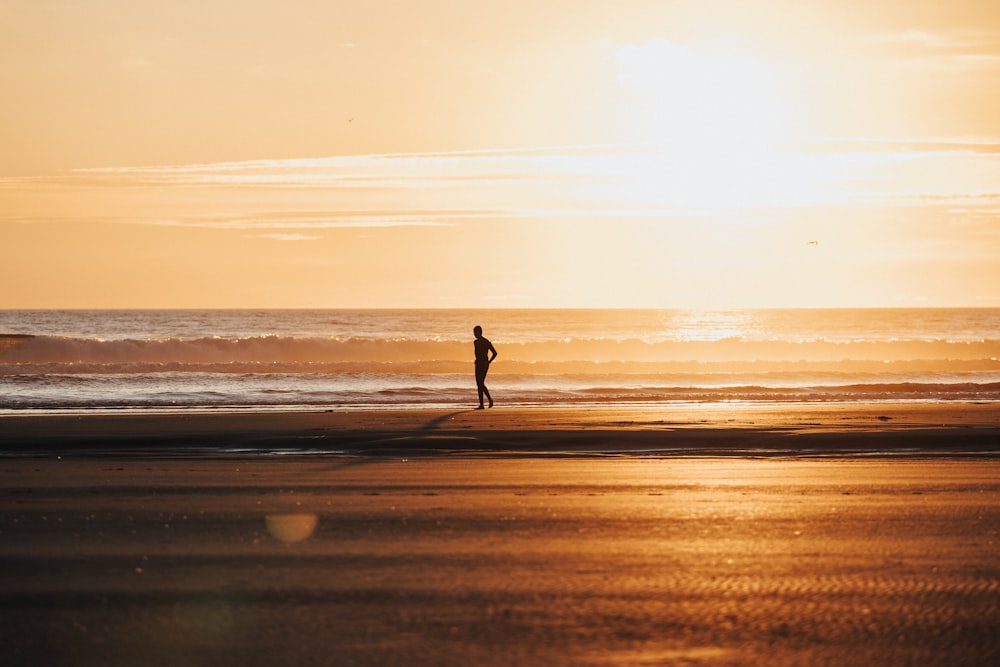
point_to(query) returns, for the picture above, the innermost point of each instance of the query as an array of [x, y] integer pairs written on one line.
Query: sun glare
[[711, 118], [711, 98]]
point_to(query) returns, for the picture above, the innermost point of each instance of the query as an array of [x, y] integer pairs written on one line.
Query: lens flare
[[291, 528]]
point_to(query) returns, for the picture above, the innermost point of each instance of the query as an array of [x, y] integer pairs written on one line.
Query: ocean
[[177, 360]]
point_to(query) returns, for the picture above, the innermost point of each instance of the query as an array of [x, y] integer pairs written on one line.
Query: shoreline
[[960, 429]]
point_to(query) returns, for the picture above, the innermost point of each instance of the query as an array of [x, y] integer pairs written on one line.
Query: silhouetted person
[[485, 354]]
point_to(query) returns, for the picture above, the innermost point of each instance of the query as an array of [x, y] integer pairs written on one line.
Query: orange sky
[[238, 153]]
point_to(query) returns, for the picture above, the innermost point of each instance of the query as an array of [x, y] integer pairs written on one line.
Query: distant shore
[[795, 428]]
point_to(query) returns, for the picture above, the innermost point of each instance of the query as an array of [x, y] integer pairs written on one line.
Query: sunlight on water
[[712, 325]]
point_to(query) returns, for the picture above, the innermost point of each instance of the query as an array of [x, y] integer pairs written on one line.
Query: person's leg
[[481, 385]]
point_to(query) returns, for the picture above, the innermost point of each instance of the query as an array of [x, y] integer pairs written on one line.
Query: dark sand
[[716, 535], [824, 428]]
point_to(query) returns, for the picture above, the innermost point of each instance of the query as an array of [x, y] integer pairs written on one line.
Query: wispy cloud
[[444, 188], [298, 197], [294, 220], [985, 222], [288, 237], [384, 171], [922, 39], [952, 50]]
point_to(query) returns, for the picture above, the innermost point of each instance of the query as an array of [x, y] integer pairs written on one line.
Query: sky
[[520, 153]]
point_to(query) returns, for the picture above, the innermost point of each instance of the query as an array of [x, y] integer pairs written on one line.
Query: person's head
[[477, 331]]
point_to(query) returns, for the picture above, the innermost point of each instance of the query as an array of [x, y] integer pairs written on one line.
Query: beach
[[695, 535]]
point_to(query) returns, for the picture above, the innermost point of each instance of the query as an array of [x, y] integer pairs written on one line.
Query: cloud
[[370, 170], [895, 145], [289, 220], [983, 220], [918, 38], [445, 189], [925, 39], [958, 51], [288, 237]]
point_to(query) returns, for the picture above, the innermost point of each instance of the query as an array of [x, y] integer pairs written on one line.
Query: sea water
[[69, 360]]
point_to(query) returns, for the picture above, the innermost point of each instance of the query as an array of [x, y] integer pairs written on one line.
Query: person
[[485, 354]]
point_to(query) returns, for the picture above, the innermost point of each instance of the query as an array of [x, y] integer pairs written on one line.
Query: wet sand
[[698, 429], [624, 537]]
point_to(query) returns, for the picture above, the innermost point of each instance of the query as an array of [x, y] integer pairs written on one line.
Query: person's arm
[[494, 351]]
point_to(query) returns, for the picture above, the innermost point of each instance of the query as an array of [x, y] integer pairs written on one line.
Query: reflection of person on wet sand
[[485, 354]]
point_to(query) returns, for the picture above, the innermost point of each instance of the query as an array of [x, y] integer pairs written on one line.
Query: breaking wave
[[442, 355]]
